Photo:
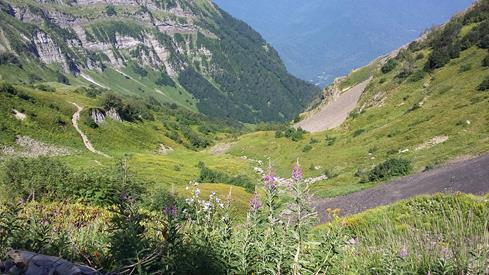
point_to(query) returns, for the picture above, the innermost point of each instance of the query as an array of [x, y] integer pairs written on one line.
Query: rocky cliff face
[[193, 43], [90, 36]]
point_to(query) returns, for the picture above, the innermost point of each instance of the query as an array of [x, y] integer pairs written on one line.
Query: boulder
[[29, 263]]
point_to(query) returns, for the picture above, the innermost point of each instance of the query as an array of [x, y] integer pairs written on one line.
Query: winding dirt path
[[86, 141], [466, 176], [333, 114]]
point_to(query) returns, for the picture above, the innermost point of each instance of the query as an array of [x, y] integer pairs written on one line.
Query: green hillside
[[412, 111], [131, 169], [191, 54]]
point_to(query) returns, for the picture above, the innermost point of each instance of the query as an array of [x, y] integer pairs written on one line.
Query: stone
[[29, 263]]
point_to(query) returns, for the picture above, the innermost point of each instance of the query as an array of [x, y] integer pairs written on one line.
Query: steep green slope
[[163, 144], [189, 53], [412, 111]]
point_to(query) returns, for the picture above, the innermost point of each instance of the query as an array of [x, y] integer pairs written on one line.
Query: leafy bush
[[406, 70], [279, 134], [91, 123], [417, 76], [485, 61], [390, 168], [484, 86], [45, 88], [110, 10], [32, 179], [196, 140], [9, 59], [63, 79], [7, 88], [307, 148], [358, 132], [208, 175], [48, 179], [139, 70], [131, 109], [464, 68], [165, 80], [291, 133], [389, 66], [198, 235], [330, 141], [437, 59]]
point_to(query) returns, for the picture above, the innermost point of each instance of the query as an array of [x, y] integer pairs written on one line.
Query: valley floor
[[466, 176]]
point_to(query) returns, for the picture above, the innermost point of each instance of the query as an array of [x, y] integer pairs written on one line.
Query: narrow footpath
[[86, 141]]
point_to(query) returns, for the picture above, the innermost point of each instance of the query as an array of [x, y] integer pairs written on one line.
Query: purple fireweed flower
[[269, 180], [297, 172], [254, 203], [403, 253], [170, 211]]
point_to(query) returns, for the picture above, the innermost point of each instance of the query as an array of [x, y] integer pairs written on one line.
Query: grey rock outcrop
[[113, 114], [47, 50], [29, 263], [116, 49], [31, 148], [97, 115]]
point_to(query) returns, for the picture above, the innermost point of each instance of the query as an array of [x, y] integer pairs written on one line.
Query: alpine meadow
[[169, 137]]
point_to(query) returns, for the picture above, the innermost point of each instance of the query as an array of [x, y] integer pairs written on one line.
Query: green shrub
[[45, 88], [9, 59], [405, 71], [297, 119], [464, 68], [110, 10], [48, 179], [131, 109], [390, 168], [313, 141], [7, 88], [32, 179], [127, 240], [63, 79], [331, 173], [208, 175], [291, 133], [389, 66], [165, 80], [485, 61], [437, 59], [279, 134], [417, 76], [484, 86], [307, 148], [358, 132], [330, 141], [91, 123], [139, 70]]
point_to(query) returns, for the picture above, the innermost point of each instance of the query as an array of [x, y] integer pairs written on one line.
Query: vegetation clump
[[390, 168], [290, 133], [208, 175], [484, 86], [131, 109], [389, 66], [485, 61], [278, 235]]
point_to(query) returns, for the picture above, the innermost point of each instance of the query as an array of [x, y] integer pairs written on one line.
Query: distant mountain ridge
[[321, 40], [186, 52]]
